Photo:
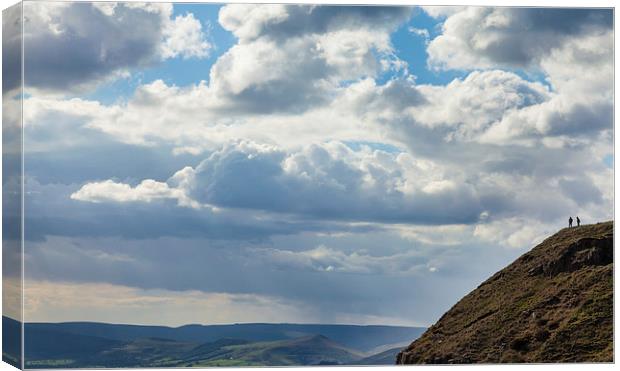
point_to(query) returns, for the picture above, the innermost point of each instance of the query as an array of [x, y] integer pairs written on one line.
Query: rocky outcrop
[[553, 304]]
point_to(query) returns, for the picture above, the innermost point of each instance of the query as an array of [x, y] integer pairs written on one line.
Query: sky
[[202, 163]]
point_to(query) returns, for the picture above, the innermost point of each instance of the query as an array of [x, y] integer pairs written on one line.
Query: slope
[[553, 304]]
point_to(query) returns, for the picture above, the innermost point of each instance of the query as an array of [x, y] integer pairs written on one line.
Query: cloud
[[513, 232], [147, 191], [492, 123], [577, 108], [442, 11], [581, 106], [54, 213], [300, 54], [100, 302], [335, 182], [321, 167], [275, 269], [183, 36], [290, 269], [294, 90], [48, 301], [498, 107], [325, 259], [12, 295], [421, 32], [12, 37], [303, 72], [330, 182], [207, 125], [490, 37], [252, 21], [581, 190], [66, 53], [301, 64], [471, 105]]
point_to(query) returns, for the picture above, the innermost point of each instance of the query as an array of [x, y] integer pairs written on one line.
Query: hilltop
[[553, 304]]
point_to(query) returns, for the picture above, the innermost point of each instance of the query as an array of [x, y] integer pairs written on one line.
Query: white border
[[523, 3]]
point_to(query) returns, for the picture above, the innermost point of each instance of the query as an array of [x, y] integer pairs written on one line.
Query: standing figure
[[570, 221], [578, 221]]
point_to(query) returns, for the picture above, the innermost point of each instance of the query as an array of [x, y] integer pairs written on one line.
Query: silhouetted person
[[578, 221], [570, 221]]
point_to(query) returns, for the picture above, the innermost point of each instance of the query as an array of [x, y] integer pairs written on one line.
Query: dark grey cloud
[[68, 45], [322, 185], [544, 28], [566, 20], [582, 120], [301, 20], [11, 154], [11, 48], [581, 190], [512, 37], [49, 211], [79, 164]]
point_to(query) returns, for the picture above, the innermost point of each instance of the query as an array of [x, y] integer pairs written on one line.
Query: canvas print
[[225, 185]]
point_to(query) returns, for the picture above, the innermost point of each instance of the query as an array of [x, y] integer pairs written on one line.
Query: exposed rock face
[[553, 304]]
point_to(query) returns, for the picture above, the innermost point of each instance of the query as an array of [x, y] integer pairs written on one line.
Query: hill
[[361, 338], [78, 351], [309, 350], [95, 345], [553, 304]]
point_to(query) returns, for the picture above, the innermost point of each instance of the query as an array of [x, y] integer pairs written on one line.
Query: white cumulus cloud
[[184, 36]]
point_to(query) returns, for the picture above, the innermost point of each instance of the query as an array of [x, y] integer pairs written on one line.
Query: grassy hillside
[[157, 352], [310, 350], [553, 304]]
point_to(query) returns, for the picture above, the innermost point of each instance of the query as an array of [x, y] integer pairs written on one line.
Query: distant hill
[[46, 344], [158, 352], [362, 338], [91, 345], [553, 304]]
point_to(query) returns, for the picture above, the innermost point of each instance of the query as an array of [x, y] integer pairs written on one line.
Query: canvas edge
[[12, 186]]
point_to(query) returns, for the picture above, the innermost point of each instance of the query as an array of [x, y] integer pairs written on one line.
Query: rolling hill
[[362, 338], [93, 345], [308, 350]]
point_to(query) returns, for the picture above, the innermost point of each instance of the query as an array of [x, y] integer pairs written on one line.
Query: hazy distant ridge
[[85, 344]]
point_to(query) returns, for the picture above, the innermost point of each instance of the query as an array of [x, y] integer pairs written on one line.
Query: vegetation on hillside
[[553, 304]]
